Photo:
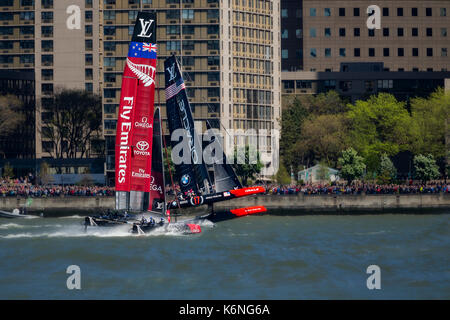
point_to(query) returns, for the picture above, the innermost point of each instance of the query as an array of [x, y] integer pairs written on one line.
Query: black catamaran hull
[[218, 216], [215, 197]]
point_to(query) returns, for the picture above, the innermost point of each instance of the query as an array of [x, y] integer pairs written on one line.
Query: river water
[[259, 257]]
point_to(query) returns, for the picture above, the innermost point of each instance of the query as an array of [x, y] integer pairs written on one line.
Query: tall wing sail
[[157, 199], [134, 124], [192, 174], [225, 178]]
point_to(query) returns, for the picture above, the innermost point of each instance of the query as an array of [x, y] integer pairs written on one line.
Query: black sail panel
[[225, 178], [191, 175], [157, 200]]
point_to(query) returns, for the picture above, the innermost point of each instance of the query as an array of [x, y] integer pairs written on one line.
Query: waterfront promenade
[[277, 204]]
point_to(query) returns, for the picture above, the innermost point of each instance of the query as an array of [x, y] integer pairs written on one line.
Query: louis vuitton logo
[[146, 28], [172, 72]]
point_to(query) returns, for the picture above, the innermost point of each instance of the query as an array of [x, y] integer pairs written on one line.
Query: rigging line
[[165, 146]]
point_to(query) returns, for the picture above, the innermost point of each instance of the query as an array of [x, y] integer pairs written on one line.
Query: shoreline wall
[[276, 204]]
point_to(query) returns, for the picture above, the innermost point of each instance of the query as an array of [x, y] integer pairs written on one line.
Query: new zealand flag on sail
[[142, 50]]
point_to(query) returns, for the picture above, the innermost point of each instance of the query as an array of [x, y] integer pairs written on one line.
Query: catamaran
[[139, 164]]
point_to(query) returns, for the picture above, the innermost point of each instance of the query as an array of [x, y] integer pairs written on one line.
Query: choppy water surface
[[262, 257]]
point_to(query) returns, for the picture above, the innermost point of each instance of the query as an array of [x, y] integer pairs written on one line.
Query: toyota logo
[[142, 145]]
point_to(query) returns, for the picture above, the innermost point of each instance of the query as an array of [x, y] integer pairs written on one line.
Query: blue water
[[261, 257]]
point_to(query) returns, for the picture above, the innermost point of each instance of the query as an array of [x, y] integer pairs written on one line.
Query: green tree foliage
[[76, 117], [307, 119], [425, 168], [351, 164], [8, 171], [429, 124], [380, 125], [282, 176], [11, 115], [323, 174], [387, 171], [292, 118], [244, 166], [323, 137]]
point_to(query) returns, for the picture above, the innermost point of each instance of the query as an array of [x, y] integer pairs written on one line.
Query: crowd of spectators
[[21, 187], [363, 188]]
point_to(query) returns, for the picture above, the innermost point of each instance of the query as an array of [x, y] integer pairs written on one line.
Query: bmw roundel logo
[[185, 179]]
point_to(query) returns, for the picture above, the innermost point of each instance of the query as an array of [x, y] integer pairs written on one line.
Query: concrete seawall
[[276, 204]]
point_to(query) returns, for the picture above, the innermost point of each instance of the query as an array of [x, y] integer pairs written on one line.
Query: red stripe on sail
[[144, 70], [124, 134]]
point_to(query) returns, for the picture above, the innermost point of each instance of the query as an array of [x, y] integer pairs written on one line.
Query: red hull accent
[[247, 191], [248, 211], [195, 228]]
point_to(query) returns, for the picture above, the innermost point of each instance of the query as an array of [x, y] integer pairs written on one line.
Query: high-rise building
[[406, 54], [228, 52], [59, 41]]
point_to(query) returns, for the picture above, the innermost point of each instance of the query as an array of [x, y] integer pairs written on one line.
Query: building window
[[327, 32], [341, 12], [414, 12], [356, 12], [284, 13], [429, 32], [371, 52], [312, 32], [89, 87], [415, 32], [385, 12], [443, 12], [189, 14], [386, 52], [299, 33], [47, 60], [284, 54], [88, 60], [357, 52], [401, 52], [429, 52], [313, 52], [312, 12], [342, 52], [400, 32], [285, 34], [356, 32], [386, 32], [298, 13], [371, 32], [327, 52], [400, 12], [428, 12], [443, 52], [415, 52], [443, 32], [385, 84], [341, 32], [327, 12]]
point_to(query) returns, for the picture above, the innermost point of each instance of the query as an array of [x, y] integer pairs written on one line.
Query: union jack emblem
[[149, 47]]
